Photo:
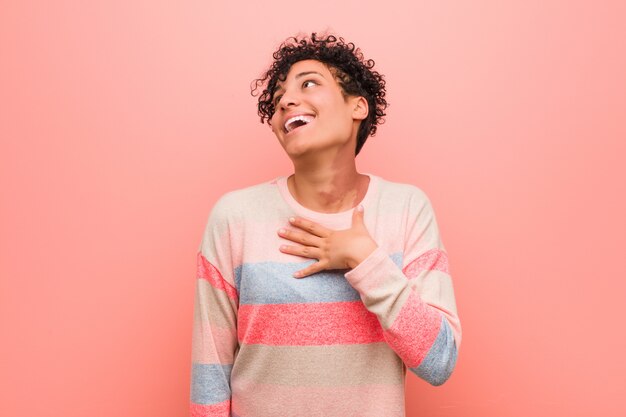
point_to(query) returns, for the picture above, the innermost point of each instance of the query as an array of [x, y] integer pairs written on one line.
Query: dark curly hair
[[351, 70]]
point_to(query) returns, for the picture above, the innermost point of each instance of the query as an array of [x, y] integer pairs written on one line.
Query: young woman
[[317, 290]]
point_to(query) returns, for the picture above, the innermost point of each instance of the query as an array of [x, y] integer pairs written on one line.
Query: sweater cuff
[[370, 271]]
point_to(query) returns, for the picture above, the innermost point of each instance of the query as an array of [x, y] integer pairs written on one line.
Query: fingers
[[309, 226], [310, 270], [357, 215], [300, 237], [311, 237], [304, 251]]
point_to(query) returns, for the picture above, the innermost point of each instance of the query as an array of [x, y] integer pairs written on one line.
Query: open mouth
[[296, 122]]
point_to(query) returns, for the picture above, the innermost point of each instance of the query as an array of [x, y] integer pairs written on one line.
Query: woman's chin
[[296, 146]]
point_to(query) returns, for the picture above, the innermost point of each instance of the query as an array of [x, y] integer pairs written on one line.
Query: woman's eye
[[304, 84]]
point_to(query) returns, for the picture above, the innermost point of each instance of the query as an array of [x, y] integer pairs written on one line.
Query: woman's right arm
[[214, 338]]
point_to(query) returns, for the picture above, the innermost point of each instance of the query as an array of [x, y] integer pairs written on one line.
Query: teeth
[[289, 126]]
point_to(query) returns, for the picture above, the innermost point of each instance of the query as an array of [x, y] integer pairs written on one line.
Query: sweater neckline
[[281, 181]]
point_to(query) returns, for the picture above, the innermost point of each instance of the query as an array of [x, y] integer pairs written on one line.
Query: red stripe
[[300, 324], [206, 270], [434, 259], [414, 330], [210, 410]]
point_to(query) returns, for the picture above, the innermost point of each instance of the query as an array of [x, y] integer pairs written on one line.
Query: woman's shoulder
[[401, 191], [242, 200]]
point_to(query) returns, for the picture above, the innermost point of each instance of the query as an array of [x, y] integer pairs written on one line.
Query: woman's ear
[[360, 109]]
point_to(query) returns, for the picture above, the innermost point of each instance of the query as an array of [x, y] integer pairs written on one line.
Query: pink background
[[122, 122]]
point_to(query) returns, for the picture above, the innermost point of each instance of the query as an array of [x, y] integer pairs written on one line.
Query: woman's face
[[311, 112]]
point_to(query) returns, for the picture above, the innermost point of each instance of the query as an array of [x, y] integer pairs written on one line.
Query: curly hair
[[350, 69]]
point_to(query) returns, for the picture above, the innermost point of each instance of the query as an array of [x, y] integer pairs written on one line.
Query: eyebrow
[[302, 74]]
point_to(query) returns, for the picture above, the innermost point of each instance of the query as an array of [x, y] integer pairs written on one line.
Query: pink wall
[[121, 125]]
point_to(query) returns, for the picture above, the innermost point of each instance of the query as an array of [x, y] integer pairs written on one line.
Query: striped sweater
[[335, 343]]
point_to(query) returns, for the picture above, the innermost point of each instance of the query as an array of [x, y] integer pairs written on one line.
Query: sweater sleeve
[[415, 305], [214, 337]]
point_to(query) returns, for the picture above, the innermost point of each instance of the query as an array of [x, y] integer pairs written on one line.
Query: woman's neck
[[328, 192]]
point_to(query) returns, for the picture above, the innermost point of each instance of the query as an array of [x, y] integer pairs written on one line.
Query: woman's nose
[[288, 99]]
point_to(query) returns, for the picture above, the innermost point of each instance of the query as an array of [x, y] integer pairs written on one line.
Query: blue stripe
[[273, 283], [397, 259], [210, 383], [438, 365]]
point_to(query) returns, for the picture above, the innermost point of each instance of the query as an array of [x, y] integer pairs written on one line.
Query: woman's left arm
[[415, 305]]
